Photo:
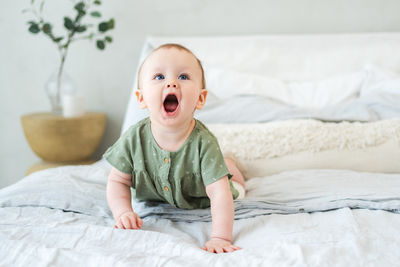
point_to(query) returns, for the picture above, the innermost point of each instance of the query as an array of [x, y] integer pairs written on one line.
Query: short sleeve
[[119, 155], [212, 162]]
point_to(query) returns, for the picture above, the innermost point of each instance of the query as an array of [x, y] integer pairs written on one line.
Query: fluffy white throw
[[276, 139]]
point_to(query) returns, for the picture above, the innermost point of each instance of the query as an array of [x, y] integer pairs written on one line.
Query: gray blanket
[[82, 190]]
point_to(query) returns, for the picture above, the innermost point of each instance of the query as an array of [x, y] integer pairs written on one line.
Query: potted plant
[[75, 29]]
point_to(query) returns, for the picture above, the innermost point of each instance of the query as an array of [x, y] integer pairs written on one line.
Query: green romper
[[179, 178]]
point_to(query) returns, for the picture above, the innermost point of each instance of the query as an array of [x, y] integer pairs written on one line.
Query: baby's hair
[[180, 47]]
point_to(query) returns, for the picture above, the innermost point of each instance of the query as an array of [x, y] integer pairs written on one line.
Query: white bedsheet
[[35, 231]]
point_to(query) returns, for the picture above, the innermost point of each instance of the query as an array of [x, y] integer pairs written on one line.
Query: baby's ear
[[140, 100], [202, 99]]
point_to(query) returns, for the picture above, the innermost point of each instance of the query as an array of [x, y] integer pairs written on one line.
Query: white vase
[[55, 90]]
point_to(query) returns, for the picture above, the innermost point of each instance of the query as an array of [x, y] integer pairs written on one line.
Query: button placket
[[166, 185]]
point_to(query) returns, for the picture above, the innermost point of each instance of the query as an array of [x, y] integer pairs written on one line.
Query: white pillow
[[225, 83], [315, 94], [267, 148], [338, 90], [380, 80]]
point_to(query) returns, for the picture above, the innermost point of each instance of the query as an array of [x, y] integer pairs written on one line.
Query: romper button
[[166, 188], [166, 160]]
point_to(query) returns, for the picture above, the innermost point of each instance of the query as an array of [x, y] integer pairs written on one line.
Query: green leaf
[[34, 28], [108, 39], [103, 26], [106, 25], [97, 2], [41, 6], [96, 14], [58, 39], [100, 44], [81, 28], [111, 24], [80, 7], [68, 23], [46, 28]]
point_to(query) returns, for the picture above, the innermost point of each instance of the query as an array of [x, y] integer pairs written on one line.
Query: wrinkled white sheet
[[43, 236]]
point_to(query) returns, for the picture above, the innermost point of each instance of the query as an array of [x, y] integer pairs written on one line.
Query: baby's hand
[[219, 245], [128, 220]]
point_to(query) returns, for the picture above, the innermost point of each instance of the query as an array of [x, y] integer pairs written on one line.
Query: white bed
[[314, 121]]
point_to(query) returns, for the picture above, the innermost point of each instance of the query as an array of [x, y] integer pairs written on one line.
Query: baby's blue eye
[[183, 77], [159, 77]]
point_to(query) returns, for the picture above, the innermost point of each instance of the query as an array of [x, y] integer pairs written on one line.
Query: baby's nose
[[171, 84]]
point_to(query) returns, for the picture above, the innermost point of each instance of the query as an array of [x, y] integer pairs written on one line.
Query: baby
[[170, 156]]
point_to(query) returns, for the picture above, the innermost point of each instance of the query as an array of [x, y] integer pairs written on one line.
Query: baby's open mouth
[[171, 103]]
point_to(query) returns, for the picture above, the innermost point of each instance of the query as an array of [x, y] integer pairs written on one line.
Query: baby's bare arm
[[119, 200], [222, 212]]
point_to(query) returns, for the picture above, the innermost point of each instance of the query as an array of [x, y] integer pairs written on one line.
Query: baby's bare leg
[[233, 169]]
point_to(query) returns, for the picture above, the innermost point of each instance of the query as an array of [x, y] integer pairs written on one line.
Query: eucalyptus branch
[[90, 36], [72, 27]]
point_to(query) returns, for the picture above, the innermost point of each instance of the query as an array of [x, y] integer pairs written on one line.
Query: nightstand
[[62, 141]]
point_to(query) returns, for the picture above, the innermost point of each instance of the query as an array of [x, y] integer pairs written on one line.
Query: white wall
[[105, 78]]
